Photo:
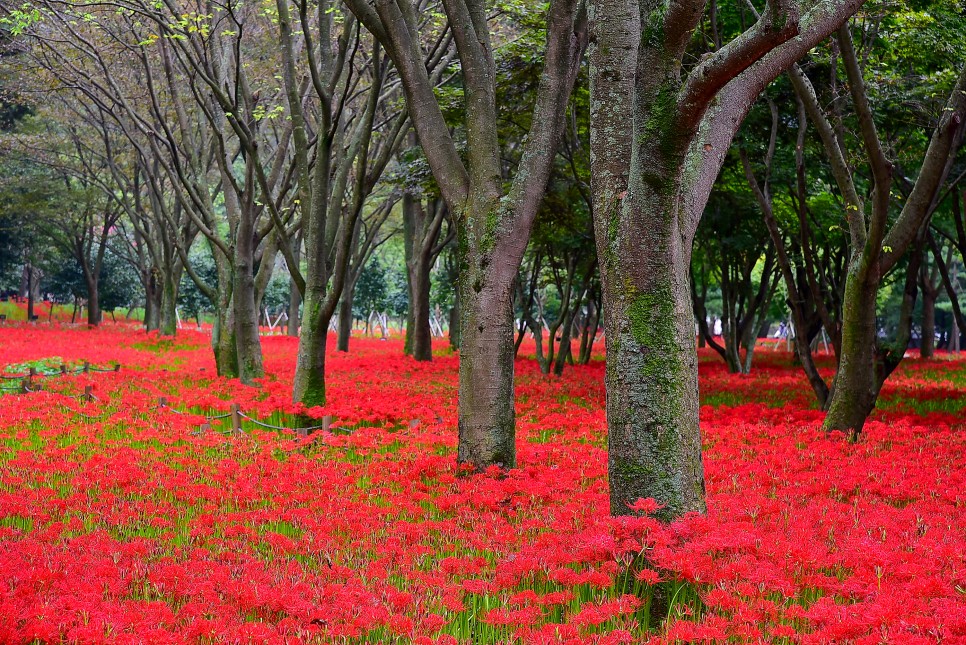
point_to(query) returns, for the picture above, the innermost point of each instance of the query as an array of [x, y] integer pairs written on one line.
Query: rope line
[[268, 425], [26, 379]]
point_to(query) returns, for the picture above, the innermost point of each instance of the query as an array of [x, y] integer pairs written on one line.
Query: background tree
[[493, 221]]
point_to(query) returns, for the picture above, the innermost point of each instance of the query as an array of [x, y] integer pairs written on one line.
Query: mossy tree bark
[[247, 342], [876, 246], [168, 322], [223, 334], [492, 227], [658, 139]]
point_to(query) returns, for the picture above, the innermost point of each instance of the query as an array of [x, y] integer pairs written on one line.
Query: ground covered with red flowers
[[121, 522]]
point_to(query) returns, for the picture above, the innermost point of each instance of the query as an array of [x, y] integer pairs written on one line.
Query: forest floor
[[121, 521]]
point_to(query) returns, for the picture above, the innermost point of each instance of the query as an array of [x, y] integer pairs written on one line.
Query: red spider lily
[[119, 522]]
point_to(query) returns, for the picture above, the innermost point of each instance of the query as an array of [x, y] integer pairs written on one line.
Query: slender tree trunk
[[345, 318], [454, 322], [294, 298], [169, 301], [928, 345], [30, 292], [419, 336], [418, 343], [152, 301], [93, 306]]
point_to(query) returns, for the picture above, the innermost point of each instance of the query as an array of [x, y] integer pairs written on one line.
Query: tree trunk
[[223, 339], [421, 229], [93, 307], [345, 318], [486, 414], [294, 300], [454, 322], [245, 311], [309, 385], [152, 301], [168, 324], [927, 346], [419, 336], [654, 440], [30, 293], [856, 385]]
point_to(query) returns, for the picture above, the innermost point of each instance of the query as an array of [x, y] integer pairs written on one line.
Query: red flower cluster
[[120, 523]]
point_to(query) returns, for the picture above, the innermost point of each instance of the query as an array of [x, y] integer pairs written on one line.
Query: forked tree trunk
[[658, 140]]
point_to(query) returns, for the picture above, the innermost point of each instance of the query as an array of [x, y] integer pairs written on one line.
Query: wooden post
[[235, 418], [162, 402], [87, 367], [88, 392], [326, 422], [63, 370], [205, 427], [117, 367]]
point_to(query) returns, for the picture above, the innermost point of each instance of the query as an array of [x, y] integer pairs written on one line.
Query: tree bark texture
[[658, 140]]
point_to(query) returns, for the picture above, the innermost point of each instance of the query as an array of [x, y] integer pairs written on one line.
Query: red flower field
[[121, 522]]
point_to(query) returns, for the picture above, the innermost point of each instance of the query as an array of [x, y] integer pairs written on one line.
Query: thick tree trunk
[[486, 414], [223, 342], [654, 440], [247, 342], [856, 385], [245, 310], [223, 339], [309, 385]]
